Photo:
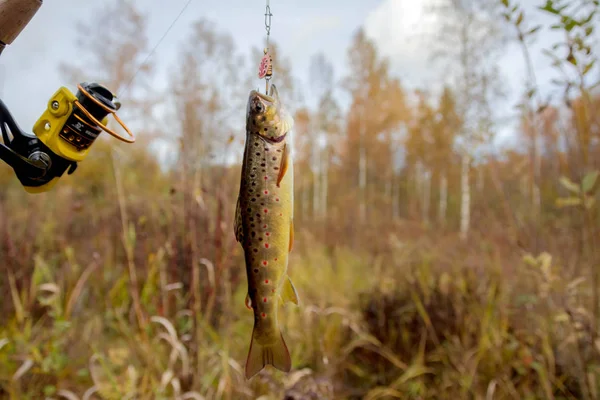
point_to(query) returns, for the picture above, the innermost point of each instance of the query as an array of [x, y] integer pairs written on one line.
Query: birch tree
[[321, 83], [123, 72], [366, 70], [302, 124], [121, 69], [420, 146], [447, 128], [469, 39], [377, 109], [327, 120], [206, 99]]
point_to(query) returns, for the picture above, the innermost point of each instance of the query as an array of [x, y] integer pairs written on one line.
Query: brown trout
[[264, 226]]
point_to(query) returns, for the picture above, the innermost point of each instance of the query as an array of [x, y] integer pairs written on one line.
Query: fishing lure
[[265, 68]]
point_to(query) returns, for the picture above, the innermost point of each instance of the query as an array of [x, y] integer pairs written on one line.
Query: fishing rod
[[64, 133]]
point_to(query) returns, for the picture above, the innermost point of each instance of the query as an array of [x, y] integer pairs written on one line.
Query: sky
[[29, 72], [402, 29]]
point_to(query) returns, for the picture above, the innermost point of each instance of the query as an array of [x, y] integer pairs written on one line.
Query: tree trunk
[[362, 181], [465, 198], [418, 187], [305, 195], [325, 180], [387, 191], [426, 195], [443, 199], [525, 187], [316, 179], [395, 196]]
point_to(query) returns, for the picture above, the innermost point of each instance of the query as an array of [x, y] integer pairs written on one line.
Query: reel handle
[[20, 163], [14, 16], [20, 139]]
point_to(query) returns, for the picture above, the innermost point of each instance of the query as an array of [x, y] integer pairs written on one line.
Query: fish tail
[[275, 354]]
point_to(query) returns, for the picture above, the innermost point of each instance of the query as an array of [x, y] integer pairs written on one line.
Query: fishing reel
[[62, 135]]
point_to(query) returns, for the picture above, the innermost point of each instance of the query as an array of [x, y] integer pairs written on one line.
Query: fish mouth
[[263, 96], [272, 97]]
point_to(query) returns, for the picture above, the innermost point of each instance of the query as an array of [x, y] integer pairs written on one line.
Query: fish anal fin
[[285, 163], [288, 292], [275, 354], [248, 302]]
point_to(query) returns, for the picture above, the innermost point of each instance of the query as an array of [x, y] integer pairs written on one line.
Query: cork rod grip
[[14, 16]]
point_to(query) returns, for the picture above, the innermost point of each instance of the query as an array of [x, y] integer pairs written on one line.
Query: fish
[[264, 226]]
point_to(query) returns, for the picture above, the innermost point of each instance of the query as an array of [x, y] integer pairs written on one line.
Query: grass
[[423, 321]]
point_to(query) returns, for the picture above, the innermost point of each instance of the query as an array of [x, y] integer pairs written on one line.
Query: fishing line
[[268, 17], [156, 46]]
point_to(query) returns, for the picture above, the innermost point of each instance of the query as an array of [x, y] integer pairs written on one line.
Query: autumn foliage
[[429, 262]]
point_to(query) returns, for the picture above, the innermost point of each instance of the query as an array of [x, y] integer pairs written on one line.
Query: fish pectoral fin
[[275, 354], [248, 302], [291, 236], [285, 163], [288, 292], [239, 233]]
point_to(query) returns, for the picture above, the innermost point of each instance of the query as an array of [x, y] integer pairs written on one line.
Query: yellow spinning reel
[[63, 135], [65, 131]]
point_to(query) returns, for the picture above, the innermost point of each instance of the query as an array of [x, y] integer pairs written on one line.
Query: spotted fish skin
[[264, 226]]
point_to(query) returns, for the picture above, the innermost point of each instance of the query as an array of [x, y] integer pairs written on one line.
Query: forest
[[429, 262]]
